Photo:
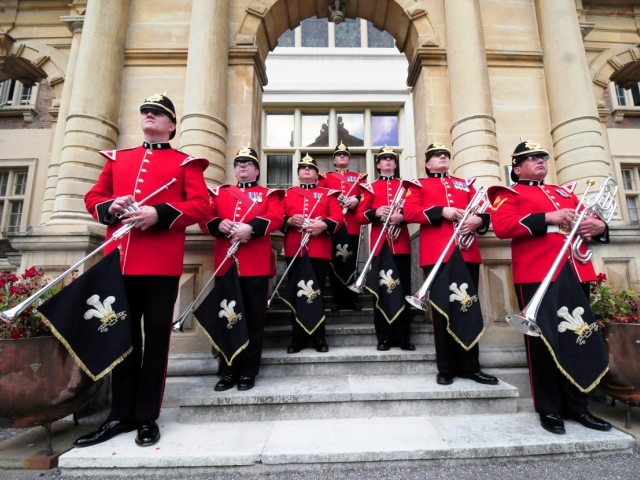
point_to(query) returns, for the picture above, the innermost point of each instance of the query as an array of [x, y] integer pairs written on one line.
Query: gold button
[[145, 161], [448, 194], [143, 171], [557, 204], [140, 180], [138, 192], [237, 215]]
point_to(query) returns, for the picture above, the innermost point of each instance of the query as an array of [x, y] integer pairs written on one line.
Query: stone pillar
[[74, 23], [473, 128], [203, 129], [578, 144], [93, 110]]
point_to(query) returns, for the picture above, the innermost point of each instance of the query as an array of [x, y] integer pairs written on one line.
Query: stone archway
[[407, 21], [620, 64]]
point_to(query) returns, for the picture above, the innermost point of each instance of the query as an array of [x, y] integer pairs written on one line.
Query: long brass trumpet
[[602, 203], [303, 243], [178, 324], [342, 202], [421, 297], [465, 241], [358, 285], [9, 316]]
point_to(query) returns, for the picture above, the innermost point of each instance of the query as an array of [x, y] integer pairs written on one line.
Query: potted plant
[[40, 382], [618, 312]]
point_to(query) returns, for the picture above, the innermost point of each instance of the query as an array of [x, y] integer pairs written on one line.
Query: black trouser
[[398, 331], [320, 269], [138, 381], [254, 294], [451, 358], [342, 296], [552, 391]]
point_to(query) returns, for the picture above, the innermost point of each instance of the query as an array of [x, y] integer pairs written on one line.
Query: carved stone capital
[[73, 22]]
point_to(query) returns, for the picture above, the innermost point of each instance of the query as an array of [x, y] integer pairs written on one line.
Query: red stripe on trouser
[[526, 337]]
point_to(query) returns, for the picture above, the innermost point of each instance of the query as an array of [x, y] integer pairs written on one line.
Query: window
[[630, 190], [14, 93], [290, 136], [320, 33], [621, 96], [13, 187]]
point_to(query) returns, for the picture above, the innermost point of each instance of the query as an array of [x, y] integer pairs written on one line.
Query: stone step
[[281, 315], [259, 448], [343, 335], [362, 360], [347, 396]]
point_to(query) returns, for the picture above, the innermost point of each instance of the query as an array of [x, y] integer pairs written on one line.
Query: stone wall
[[43, 119]]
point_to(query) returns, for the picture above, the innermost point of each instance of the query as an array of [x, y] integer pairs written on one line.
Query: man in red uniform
[[437, 203], [347, 183], [322, 206], [534, 215], [374, 209], [255, 258], [151, 258]]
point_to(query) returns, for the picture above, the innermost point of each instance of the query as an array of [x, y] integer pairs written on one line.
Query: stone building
[[474, 74]]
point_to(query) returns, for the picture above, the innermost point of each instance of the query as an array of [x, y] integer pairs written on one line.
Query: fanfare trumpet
[[303, 243], [178, 324], [465, 241], [346, 197], [358, 286], [421, 297], [9, 316], [603, 204]]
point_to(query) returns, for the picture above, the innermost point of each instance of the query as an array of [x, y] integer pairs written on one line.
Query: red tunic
[[423, 204], [301, 201], [375, 195], [255, 257], [518, 213], [140, 171], [346, 184]]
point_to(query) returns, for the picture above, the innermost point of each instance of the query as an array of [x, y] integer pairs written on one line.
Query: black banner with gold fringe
[[304, 297], [383, 282]]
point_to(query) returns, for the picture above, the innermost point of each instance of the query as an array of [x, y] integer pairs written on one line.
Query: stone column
[[74, 23], [473, 128], [578, 143], [203, 129], [93, 110]]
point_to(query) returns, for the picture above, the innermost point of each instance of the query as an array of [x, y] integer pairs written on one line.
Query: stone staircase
[[353, 406]]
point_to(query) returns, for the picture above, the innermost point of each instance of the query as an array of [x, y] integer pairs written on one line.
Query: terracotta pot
[[622, 341], [40, 382]]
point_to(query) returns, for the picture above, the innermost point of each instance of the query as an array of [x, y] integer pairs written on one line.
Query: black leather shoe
[[552, 423], [148, 433], [107, 431], [321, 345], [335, 307], [352, 306], [443, 380], [246, 382], [481, 377], [295, 346], [384, 345], [407, 346], [225, 383], [591, 421]]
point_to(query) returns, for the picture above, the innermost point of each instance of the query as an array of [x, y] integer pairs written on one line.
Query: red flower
[[17, 333], [32, 272], [601, 278]]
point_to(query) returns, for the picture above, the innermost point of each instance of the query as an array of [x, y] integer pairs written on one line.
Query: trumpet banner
[[454, 295], [571, 332], [383, 282], [304, 297], [343, 259], [222, 316], [90, 317]]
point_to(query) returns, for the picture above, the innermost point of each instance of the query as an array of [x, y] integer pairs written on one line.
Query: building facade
[[474, 74]]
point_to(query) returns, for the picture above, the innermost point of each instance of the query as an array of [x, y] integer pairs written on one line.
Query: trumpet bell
[[418, 302], [355, 288], [524, 325]]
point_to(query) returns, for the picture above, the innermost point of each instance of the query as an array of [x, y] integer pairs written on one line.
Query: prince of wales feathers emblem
[[573, 321], [343, 251], [104, 312], [460, 294], [386, 279], [307, 290], [227, 311]]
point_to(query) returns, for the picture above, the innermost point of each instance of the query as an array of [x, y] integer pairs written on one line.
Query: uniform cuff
[[331, 226], [104, 217], [486, 219], [214, 227], [371, 215], [284, 226], [603, 237], [434, 215], [535, 223], [167, 215], [259, 226]]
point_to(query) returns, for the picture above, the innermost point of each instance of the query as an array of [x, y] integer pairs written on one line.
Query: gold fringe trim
[[298, 320], [73, 354], [453, 334], [564, 372], [382, 311], [229, 362], [348, 282]]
